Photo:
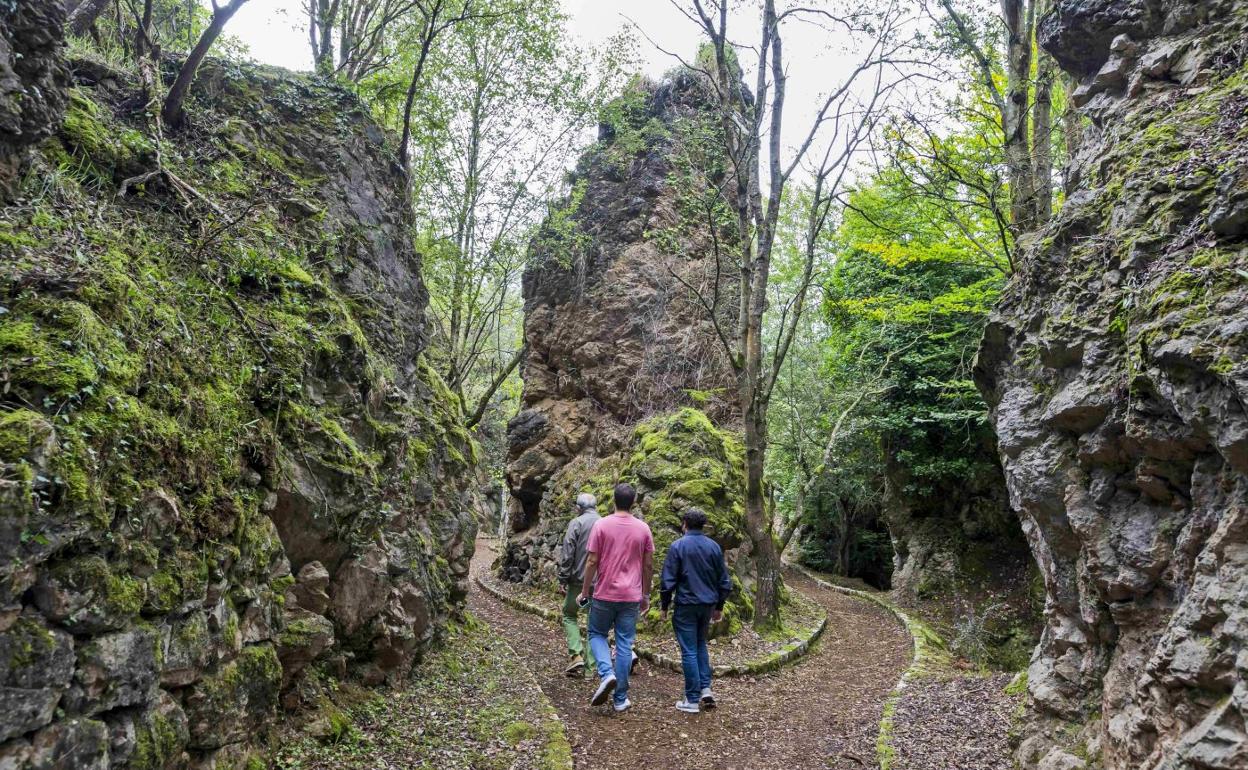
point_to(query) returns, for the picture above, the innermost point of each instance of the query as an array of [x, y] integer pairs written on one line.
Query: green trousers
[[576, 644]]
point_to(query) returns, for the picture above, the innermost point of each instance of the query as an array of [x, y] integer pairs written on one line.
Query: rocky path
[[821, 712]]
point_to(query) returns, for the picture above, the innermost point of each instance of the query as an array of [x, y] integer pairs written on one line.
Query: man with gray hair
[[572, 558]]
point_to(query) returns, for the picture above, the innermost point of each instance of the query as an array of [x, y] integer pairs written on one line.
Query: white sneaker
[[708, 698], [604, 691], [625, 706], [636, 659], [687, 707]]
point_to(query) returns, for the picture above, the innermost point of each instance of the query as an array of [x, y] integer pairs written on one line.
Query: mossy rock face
[[223, 708], [196, 401], [1114, 370]]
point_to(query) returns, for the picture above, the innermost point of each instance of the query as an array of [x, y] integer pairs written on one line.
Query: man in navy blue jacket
[[696, 578]]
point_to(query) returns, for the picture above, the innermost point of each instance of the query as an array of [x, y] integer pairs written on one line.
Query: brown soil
[[821, 712], [959, 723]]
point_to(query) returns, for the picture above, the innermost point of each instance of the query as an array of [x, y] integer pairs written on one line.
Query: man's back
[[621, 541], [694, 571], [576, 546]]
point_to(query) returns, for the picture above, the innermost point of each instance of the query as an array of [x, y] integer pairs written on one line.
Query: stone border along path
[[775, 660], [928, 649], [940, 716], [821, 711]]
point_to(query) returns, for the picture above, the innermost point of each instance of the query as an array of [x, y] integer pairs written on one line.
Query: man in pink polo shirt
[[618, 571]]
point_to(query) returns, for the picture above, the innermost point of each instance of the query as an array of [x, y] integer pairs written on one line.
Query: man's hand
[[717, 615], [645, 604], [582, 597]]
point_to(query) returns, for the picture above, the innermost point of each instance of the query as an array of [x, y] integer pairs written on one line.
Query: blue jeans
[[622, 616], [692, 622]]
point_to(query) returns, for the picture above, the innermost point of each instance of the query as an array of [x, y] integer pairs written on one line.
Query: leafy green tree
[[751, 129], [505, 101]]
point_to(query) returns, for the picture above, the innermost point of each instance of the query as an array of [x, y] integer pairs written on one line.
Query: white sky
[[275, 31]]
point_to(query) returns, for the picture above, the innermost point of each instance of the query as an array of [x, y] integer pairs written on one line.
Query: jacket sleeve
[[667, 581], [567, 553], [725, 582]]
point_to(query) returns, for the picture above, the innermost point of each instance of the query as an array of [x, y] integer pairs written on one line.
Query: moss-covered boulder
[[680, 461], [676, 461]]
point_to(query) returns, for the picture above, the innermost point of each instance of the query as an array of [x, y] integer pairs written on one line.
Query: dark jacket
[[573, 554], [694, 572]]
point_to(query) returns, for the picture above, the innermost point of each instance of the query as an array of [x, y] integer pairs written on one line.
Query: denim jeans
[[622, 616], [692, 622]]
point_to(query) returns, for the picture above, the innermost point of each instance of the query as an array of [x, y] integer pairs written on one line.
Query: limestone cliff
[[223, 460], [1115, 371], [615, 337]]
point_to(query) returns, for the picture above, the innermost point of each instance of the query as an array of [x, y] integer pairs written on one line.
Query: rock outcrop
[[223, 459], [33, 80], [1115, 368], [615, 336]]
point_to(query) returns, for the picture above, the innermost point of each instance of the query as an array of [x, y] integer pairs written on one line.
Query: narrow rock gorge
[[227, 474], [1115, 371]]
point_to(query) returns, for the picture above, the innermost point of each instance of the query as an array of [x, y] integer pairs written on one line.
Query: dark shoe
[[575, 670], [604, 691]]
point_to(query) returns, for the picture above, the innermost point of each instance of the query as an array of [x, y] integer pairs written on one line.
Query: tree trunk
[[1042, 129], [85, 15], [766, 555], [1072, 127], [1042, 141], [1019, 22], [142, 37], [425, 44], [171, 113], [484, 402], [321, 34]]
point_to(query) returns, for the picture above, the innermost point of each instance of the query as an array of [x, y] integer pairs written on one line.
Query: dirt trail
[[821, 712]]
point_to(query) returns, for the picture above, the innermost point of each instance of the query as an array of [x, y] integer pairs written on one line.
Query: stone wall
[[223, 460], [1115, 371]]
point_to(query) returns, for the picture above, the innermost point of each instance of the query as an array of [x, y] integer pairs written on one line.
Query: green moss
[[557, 754], [124, 595], [254, 677], [885, 754], [30, 643], [519, 731], [1017, 685], [156, 743], [684, 460], [298, 633], [99, 147], [21, 431]]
